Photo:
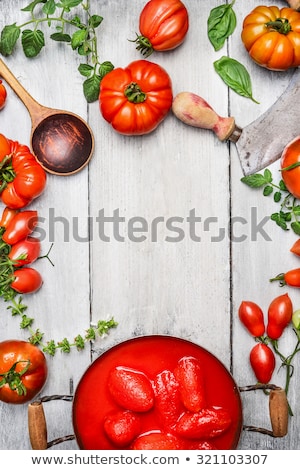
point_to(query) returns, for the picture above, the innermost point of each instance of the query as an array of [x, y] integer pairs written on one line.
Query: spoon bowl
[[62, 142]]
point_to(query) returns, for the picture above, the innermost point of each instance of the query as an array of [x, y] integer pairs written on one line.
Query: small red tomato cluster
[[183, 419], [22, 178], [19, 249], [280, 312]]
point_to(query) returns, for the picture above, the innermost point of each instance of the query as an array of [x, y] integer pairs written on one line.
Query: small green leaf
[[95, 21], [78, 38], [296, 209], [221, 24], [49, 7], [85, 69], [267, 190], [235, 75], [68, 4], [296, 227], [9, 37], [104, 68], [62, 37], [32, 5], [91, 88], [254, 181], [32, 42], [268, 176], [282, 186], [277, 196]]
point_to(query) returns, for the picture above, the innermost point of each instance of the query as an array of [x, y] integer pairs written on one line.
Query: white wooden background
[[187, 289]]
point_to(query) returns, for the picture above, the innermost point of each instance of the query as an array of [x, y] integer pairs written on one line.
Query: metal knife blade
[[262, 142]]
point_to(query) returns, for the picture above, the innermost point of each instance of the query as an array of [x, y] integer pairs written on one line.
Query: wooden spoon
[[61, 141]]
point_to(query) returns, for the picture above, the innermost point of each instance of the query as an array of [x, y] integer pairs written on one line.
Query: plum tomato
[[252, 317], [280, 314], [290, 167], [263, 362]]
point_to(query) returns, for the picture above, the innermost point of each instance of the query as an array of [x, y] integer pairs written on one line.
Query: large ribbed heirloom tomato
[[272, 37], [135, 99]]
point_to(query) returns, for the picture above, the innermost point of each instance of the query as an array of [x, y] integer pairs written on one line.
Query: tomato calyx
[[7, 173], [280, 25], [281, 278], [143, 45], [14, 378], [134, 94]]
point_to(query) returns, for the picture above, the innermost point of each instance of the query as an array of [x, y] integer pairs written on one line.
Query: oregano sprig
[[288, 216], [64, 18]]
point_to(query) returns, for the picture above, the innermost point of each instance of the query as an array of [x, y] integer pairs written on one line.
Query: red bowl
[[150, 355]]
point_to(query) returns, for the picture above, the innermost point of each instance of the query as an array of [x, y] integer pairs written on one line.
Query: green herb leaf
[[295, 226], [91, 88], [104, 68], [254, 181], [267, 190], [85, 69], [221, 24], [63, 37], [32, 5], [235, 75], [68, 4], [277, 196], [9, 37], [32, 42], [268, 175], [49, 7], [78, 38], [95, 21]]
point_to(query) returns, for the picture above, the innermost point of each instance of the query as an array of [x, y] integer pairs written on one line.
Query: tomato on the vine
[[24, 252], [22, 177], [134, 100], [280, 314], [23, 371], [262, 360], [252, 317], [272, 37], [20, 226], [163, 26], [290, 167], [3, 95], [26, 280]]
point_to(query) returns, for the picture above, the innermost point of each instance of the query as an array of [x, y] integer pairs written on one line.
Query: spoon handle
[[31, 104]]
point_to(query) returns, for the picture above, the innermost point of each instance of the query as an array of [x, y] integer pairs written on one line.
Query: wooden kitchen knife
[[260, 143]]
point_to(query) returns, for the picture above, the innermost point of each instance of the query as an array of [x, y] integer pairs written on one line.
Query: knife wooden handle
[[37, 426], [195, 111]]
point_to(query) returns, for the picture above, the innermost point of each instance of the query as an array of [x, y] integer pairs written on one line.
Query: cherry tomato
[[136, 99], [23, 371], [163, 26], [272, 37], [4, 147], [252, 317], [3, 95], [22, 225], [280, 313], [29, 178], [24, 252], [290, 167], [296, 248], [263, 362], [26, 280], [7, 216]]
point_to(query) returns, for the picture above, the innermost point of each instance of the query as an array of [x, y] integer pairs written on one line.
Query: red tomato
[[290, 167], [4, 147], [163, 26], [272, 37], [7, 216], [29, 179], [296, 248], [136, 99], [26, 280], [280, 314], [23, 371], [26, 251], [252, 317], [3, 95], [263, 362], [22, 225]]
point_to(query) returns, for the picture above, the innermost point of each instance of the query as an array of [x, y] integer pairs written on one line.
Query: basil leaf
[[62, 37], [9, 36], [49, 7], [32, 42], [235, 75], [221, 24]]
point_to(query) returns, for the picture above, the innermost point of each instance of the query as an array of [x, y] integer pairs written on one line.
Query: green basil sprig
[[235, 75], [221, 24]]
